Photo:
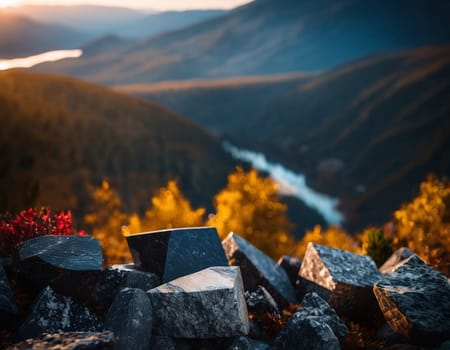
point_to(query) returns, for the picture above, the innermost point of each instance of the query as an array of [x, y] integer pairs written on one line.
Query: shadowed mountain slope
[[269, 37], [58, 136]]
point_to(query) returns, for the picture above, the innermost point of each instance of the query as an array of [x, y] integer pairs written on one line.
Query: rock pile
[[195, 292]]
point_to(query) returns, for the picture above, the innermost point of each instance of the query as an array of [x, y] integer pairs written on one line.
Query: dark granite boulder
[[259, 269], [116, 277], [313, 306], [246, 343], [415, 300], [45, 258], [55, 313], [159, 342], [399, 256], [308, 334], [8, 306], [291, 265], [344, 279], [68, 341], [207, 304], [177, 252], [130, 318], [260, 301]]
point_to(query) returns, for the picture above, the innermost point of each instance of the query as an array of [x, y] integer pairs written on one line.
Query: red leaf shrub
[[31, 223]]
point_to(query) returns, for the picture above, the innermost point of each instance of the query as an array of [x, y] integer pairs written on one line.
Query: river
[[49, 56], [291, 184]]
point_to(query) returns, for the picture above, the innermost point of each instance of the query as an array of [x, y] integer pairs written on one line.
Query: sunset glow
[[9, 3], [137, 4]]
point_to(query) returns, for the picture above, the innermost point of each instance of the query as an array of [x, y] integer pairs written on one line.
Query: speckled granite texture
[[259, 269], [415, 300], [399, 256], [177, 252], [348, 278], [207, 304]]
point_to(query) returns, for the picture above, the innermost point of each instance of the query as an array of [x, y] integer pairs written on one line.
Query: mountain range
[[367, 132], [269, 37]]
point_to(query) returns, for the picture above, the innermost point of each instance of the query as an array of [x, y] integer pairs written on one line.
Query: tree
[[170, 209], [250, 207], [106, 220], [424, 223], [333, 236], [377, 245]]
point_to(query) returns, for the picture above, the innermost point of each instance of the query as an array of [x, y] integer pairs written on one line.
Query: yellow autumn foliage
[[250, 207], [106, 220], [169, 209], [424, 223], [333, 237]]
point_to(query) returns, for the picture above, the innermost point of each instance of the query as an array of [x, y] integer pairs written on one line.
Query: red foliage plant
[[31, 223]]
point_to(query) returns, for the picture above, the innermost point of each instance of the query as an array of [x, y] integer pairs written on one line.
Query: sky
[[140, 4]]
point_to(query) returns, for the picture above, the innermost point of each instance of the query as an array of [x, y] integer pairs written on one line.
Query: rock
[[313, 306], [246, 343], [8, 306], [177, 252], [130, 318], [206, 304], [445, 345], [68, 341], [396, 258], [291, 265], [345, 280], [306, 333], [55, 313], [260, 301], [259, 269], [116, 277], [415, 300], [42, 259], [162, 343]]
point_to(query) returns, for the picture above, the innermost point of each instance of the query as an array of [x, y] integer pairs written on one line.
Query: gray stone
[[177, 252], [445, 345], [259, 269], [345, 279], [399, 256], [415, 300], [313, 306], [45, 258], [68, 341], [8, 304], [116, 277], [54, 313], [291, 265], [260, 301], [206, 304], [159, 342], [130, 318], [308, 334], [246, 343]]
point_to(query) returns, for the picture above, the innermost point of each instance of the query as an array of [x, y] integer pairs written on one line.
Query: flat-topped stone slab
[[177, 252], [206, 304], [415, 300], [259, 269], [344, 279], [45, 258]]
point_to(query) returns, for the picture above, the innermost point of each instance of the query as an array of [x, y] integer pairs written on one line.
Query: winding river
[[291, 184], [49, 56]]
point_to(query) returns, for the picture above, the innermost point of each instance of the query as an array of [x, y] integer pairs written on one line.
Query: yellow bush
[[251, 207], [424, 223]]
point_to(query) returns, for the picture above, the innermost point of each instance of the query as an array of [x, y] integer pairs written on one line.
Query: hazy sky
[[147, 4]]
